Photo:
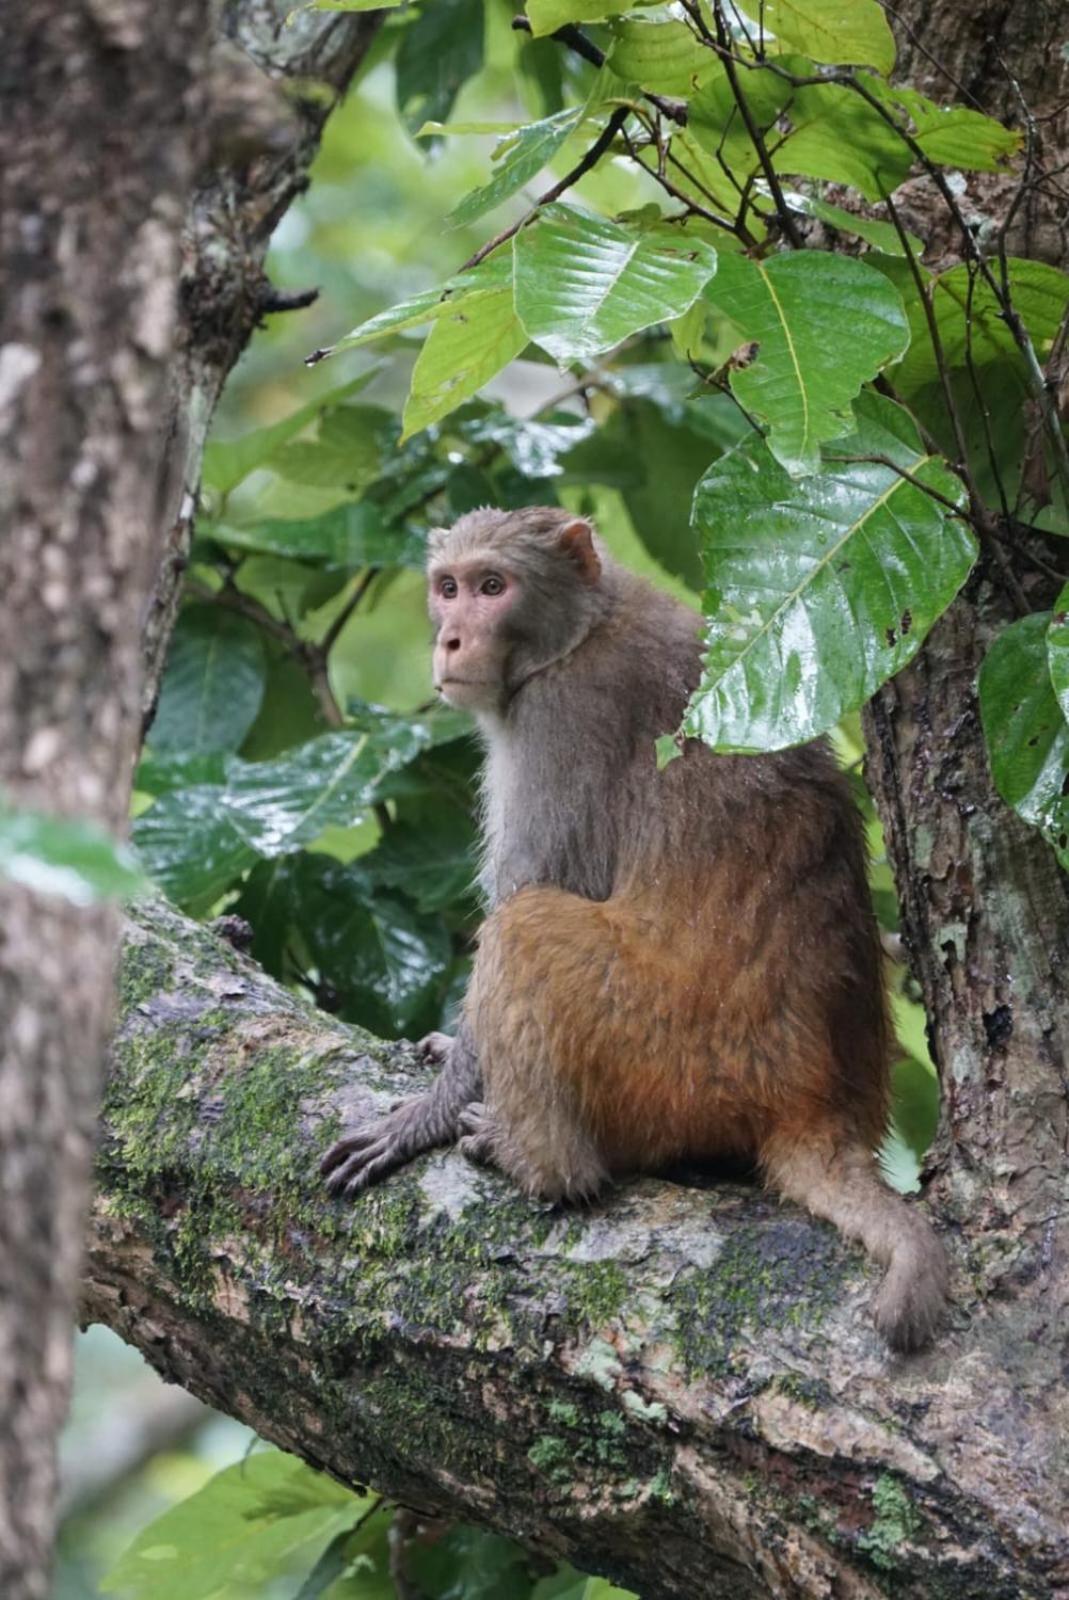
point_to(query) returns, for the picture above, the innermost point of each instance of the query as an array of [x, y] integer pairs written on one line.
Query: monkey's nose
[[452, 644]]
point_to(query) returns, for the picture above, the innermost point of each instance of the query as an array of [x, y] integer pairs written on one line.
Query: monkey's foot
[[374, 1149], [478, 1134]]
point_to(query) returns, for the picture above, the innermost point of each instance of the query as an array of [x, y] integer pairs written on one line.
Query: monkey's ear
[[577, 542]]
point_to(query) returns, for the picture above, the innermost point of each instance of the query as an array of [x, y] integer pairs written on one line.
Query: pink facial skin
[[469, 602]]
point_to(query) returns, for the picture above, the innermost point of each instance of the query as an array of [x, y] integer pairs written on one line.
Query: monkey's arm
[[375, 1148]]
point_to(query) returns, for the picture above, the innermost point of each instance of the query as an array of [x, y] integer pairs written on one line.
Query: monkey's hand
[[375, 1148]]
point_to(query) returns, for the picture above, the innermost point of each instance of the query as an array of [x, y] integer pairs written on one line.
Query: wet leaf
[[213, 685], [819, 588], [805, 374], [1026, 733]]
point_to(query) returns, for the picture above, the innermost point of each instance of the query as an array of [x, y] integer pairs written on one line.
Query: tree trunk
[[679, 1387], [108, 108], [96, 151], [985, 906]]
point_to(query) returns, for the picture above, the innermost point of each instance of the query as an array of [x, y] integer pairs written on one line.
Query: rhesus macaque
[[678, 964]]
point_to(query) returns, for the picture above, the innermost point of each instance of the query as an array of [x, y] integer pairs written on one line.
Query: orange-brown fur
[[680, 964]]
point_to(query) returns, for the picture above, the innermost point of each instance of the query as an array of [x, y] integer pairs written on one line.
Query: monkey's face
[[470, 603], [511, 592]]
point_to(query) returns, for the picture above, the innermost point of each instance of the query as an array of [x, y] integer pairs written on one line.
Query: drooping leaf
[[1027, 736], [438, 53], [354, 534], [951, 136], [520, 158], [426, 306], [584, 284], [835, 32], [819, 588], [805, 373], [546, 16], [1058, 650], [383, 957], [663, 56], [240, 1529], [213, 685], [463, 351], [66, 857]]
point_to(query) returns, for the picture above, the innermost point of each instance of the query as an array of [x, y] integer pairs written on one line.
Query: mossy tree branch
[[679, 1386]]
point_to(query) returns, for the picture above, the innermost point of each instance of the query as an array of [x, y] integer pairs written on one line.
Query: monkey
[[679, 964]]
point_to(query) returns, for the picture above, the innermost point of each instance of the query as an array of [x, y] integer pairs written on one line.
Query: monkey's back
[[734, 956]]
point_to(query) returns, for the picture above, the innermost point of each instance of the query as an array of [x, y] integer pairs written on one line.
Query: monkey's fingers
[[355, 1171], [434, 1048], [353, 1142]]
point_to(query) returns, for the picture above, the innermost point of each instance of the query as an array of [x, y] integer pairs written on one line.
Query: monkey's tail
[[841, 1182]]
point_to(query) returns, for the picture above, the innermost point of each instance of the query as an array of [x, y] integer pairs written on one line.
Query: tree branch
[[679, 1386]]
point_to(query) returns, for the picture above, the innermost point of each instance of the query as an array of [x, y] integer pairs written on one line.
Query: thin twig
[[592, 157], [887, 461], [367, 578], [786, 219], [577, 41]]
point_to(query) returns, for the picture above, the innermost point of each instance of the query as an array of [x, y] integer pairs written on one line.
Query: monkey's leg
[[841, 1182], [530, 1124], [375, 1148]]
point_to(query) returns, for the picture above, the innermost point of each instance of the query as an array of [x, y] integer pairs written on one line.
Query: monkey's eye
[[492, 585], [447, 588]]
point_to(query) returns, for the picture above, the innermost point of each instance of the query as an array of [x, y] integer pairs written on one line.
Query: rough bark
[[92, 211], [110, 106], [679, 1387], [985, 906]]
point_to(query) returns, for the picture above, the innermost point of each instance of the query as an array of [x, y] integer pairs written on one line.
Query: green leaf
[[546, 16], [973, 324], [584, 284], [471, 1564], [354, 534], [438, 53], [951, 136], [278, 805], [664, 57], [427, 306], [1058, 650], [347, 454], [240, 1529], [1026, 733], [881, 235], [354, 5], [464, 350], [820, 131], [835, 32], [820, 588], [63, 856], [385, 960], [898, 1161], [522, 157], [227, 462], [805, 372], [432, 861], [214, 682], [191, 848]]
